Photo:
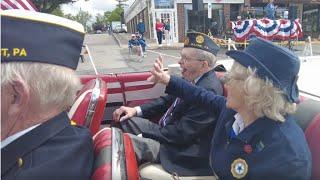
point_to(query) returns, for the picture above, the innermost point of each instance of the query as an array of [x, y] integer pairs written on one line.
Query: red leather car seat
[[313, 135], [88, 108], [102, 143], [308, 117], [114, 156]]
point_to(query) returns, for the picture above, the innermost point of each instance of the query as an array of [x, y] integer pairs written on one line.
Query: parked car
[[119, 29]]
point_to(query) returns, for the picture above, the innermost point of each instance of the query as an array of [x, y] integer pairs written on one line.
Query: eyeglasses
[[186, 59]]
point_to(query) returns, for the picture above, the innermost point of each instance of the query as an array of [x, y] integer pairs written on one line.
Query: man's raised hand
[[158, 75]]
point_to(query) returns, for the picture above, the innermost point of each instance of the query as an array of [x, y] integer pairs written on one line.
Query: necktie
[[164, 119]]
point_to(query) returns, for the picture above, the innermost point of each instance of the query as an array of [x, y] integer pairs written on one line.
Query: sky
[[92, 6]]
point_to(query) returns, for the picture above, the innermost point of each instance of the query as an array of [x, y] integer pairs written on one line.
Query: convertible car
[[114, 155]]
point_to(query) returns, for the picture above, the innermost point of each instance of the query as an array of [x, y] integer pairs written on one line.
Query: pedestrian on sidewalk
[[159, 29], [167, 33], [270, 9], [141, 28]]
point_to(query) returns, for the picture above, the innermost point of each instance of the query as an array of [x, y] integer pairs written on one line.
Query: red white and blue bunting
[[281, 29]]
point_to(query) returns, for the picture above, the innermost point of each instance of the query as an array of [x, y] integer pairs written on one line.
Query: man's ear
[[21, 97], [205, 64]]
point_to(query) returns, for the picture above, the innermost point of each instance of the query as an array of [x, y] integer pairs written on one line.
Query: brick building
[[182, 17]]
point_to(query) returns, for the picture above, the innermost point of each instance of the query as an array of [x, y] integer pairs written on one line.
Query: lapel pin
[[20, 162]]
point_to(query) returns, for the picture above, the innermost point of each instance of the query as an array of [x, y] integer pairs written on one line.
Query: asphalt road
[[108, 57]]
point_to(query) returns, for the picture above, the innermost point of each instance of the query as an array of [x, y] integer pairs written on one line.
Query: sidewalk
[[123, 38]]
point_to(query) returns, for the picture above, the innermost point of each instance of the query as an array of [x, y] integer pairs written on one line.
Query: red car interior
[[88, 108], [111, 145]]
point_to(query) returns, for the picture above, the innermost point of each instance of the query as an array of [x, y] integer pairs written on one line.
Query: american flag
[[18, 4]]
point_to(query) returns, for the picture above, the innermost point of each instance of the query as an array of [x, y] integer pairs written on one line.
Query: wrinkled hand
[[158, 75], [128, 112]]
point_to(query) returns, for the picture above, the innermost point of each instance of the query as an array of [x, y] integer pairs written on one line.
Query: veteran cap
[[28, 36], [201, 41], [273, 62]]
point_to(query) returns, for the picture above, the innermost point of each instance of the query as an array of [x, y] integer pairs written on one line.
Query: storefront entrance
[[170, 16]]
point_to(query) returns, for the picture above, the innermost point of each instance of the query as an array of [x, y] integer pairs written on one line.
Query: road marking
[[162, 54]]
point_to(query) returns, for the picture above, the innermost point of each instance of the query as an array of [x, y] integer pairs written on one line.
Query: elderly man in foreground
[[39, 55]]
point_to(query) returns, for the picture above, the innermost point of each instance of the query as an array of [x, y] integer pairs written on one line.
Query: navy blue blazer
[[53, 150], [266, 149], [185, 140]]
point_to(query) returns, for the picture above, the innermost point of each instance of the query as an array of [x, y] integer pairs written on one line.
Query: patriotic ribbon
[[281, 29]]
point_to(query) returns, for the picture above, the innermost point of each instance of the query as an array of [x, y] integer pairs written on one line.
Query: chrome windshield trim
[[93, 102]]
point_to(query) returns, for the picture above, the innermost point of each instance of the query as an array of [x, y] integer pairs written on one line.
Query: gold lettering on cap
[[19, 52], [5, 52]]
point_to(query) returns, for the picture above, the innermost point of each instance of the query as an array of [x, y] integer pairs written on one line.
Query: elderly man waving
[[184, 132]]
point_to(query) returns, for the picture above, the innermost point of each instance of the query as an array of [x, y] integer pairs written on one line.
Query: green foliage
[[48, 6], [83, 17], [99, 23], [58, 12], [115, 15]]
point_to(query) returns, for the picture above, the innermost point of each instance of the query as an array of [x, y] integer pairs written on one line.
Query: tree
[[120, 5], [58, 12], [107, 15], [48, 6], [82, 17], [115, 15], [100, 23]]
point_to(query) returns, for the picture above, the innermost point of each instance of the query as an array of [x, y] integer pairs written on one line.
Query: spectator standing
[[141, 28], [167, 32], [159, 30], [246, 14], [270, 10]]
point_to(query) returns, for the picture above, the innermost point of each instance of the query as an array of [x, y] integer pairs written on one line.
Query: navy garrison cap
[[28, 36], [272, 62], [201, 41]]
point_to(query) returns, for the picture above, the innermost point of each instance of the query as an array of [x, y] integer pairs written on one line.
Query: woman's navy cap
[[28, 36], [272, 62], [201, 41]]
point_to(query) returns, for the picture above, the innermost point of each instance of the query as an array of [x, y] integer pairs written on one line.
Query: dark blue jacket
[[185, 140], [53, 150], [266, 149], [141, 27], [133, 42]]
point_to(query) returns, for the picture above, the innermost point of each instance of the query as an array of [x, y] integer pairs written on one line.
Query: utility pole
[[121, 4]]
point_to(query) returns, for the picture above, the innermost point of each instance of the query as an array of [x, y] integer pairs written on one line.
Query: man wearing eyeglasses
[[180, 142]]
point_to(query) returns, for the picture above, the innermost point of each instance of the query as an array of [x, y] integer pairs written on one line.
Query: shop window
[[199, 21], [164, 4], [310, 22]]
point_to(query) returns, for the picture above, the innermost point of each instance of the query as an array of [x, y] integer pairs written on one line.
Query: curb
[[117, 40]]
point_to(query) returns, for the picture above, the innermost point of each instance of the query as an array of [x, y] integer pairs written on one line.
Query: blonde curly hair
[[260, 95]]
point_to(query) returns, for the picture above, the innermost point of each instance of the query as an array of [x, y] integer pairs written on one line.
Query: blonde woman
[[255, 136]]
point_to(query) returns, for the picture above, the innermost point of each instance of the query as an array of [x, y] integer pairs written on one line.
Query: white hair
[[261, 96], [53, 85], [205, 56]]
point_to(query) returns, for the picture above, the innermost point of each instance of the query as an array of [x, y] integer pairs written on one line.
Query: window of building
[[164, 4], [199, 21]]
